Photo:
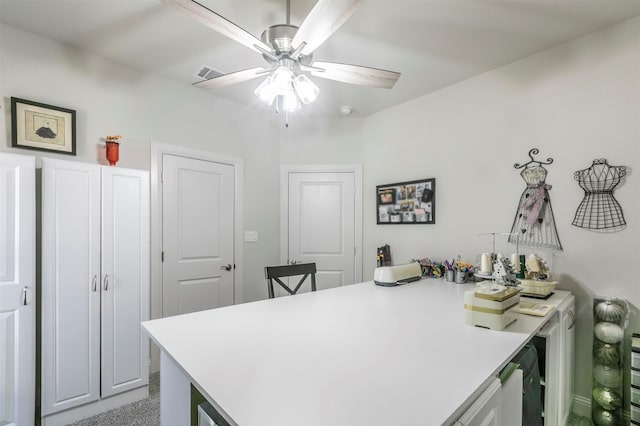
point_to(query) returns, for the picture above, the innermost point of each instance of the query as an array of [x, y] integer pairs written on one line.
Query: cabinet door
[[568, 333], [486, 410], [70, 284], [511, 405], [17, 286], [125, 279]]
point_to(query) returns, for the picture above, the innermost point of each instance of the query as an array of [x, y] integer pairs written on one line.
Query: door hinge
[[162, 257], [354, 250], [162, 177]]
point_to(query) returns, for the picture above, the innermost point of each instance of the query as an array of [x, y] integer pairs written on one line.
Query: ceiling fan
[[288, 51]]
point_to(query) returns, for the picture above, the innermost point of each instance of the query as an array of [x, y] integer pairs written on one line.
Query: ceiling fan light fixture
[[288, 50], [266, 92], [291, 102], [281, 80], [306, 89]]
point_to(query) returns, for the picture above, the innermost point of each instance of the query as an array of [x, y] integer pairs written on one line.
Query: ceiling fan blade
[[323, 20], [355, 74], [231, 78], [222, 25]]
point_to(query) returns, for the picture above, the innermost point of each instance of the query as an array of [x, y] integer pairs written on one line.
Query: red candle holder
[[113, 152]]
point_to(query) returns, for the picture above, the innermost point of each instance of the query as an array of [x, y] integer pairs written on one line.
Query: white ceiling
[[432, 43]]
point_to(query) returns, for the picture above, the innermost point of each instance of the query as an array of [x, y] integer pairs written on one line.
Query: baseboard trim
[[582, 406]]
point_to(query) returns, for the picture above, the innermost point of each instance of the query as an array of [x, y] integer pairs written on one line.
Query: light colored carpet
[[145, 412], [576, 420]]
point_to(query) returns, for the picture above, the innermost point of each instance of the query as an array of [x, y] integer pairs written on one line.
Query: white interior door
[[17, 286], [322, 225], [198, 235]]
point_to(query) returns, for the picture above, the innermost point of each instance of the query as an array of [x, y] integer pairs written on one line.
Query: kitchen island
[[355, 355]]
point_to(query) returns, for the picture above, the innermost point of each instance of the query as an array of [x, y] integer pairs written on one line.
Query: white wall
[[326, 140], [576, 102], [112, 99]]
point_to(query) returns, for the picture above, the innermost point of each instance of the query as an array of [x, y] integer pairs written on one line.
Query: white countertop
[[355, 355]]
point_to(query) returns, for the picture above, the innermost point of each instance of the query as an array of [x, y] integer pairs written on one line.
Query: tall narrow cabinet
[[17, 289], [95, 287]]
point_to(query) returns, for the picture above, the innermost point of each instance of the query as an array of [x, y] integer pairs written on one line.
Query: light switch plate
[[251, 236]]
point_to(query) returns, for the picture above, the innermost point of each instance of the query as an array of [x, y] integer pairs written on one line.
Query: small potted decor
[[113, 149]]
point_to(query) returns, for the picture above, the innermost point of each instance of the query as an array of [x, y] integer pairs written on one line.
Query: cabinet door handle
[[573, 320], [25, 291], [94, 285], [106, 282]]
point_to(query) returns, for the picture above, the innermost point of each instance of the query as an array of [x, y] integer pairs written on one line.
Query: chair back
[[274, 273]]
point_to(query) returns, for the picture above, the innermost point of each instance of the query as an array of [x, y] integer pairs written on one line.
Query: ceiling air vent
[[205, 72]]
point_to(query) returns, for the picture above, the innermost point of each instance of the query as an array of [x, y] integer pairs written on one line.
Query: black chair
[[274, 273]]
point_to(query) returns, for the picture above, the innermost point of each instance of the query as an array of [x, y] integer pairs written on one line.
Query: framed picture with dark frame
[[42, 127], [403, 203]]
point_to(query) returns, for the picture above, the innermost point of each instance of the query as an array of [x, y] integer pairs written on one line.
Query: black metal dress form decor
[[599, 209], [534, 224]]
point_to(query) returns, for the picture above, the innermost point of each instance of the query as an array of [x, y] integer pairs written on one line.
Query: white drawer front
[[635, 413], [635, 396], [635, 360]]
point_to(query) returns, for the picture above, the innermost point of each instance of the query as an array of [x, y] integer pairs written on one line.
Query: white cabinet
[[567, 312], [17, 289], [500, 404], [556, 349], [486, 410], [95, 282], [511, 406]]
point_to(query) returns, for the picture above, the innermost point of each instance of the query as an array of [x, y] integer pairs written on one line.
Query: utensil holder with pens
[[450, 275], [461, 276]]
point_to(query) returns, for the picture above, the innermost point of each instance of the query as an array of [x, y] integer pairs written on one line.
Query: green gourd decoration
[[605, 418], [606, 353], [606, 398], [609, 311], [608, 332], [610, 316], [608, 375]]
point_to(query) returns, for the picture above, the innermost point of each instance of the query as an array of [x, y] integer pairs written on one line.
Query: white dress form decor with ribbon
[[599, 209], [534, 224]]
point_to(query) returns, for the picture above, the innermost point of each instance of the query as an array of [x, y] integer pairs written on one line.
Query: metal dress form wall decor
[[599, 209], [534, 224]]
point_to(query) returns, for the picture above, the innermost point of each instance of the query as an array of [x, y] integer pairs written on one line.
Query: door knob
[[226, 268]]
